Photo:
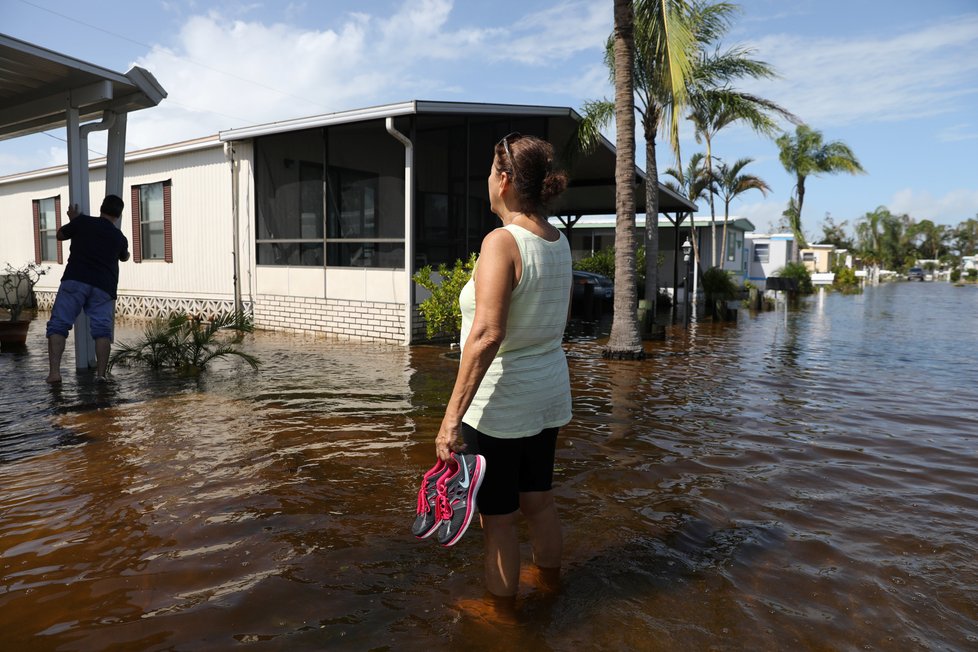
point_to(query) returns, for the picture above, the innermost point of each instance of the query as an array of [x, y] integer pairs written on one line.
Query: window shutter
[[57, 222], [37, 231], [137, 249], [167, 229]]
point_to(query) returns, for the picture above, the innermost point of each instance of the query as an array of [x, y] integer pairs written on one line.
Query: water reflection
[[801, 479]]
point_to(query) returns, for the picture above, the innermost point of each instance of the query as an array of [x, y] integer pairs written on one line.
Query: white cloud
[[834, 81], [765, 215], [958, 132], [559, 32], [950, 208]]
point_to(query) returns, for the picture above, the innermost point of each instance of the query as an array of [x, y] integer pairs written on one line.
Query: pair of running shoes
[[446, 500]]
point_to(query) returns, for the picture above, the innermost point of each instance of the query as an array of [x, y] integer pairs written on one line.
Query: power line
[[175, 56]]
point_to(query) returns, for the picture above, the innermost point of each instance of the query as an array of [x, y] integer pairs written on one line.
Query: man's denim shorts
[[72, 297]]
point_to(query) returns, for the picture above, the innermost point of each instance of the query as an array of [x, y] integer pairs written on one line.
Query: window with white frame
[[151, 230], [47, 221]]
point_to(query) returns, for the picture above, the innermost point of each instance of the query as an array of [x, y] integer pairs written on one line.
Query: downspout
[[235, 227], [408, 227]]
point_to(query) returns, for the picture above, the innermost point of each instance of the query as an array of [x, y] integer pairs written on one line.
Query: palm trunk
[[651, 213], [713, 214], [625, 340], [723, 238], [799, 235]]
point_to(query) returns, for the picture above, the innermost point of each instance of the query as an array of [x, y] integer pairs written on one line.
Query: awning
[[36, 84]]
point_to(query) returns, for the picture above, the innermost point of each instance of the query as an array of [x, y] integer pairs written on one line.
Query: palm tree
[[716, 108], [805, 154], [625, 340], [731, 183], [691, 183]]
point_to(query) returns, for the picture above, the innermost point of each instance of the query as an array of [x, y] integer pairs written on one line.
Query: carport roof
[[36, 84], [592, 187]]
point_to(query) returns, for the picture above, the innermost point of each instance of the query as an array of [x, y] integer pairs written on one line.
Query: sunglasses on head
[[505, 143]]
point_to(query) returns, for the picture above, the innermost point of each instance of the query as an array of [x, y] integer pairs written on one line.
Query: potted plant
[[16, 296]]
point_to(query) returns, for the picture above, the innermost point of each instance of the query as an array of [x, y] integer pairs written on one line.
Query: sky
[[896, 80]]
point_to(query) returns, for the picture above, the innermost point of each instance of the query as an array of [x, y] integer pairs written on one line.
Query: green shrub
[[845, 280], [600, 262], [800, 272], [973, 275], [718, 284], [187, 344], [441, 311], [603, 262], [955, 275]]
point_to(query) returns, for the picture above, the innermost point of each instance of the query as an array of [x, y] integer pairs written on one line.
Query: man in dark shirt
[[89, 282]]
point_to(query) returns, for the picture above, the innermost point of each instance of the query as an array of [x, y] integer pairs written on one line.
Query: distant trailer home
[[311, 225]]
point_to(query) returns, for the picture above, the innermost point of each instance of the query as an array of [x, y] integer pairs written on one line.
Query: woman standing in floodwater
[[512, 392]]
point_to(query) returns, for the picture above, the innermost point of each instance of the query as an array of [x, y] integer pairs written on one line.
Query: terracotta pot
[[13, 334]]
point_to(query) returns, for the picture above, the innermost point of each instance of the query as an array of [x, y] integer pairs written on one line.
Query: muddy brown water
[[803, 479]]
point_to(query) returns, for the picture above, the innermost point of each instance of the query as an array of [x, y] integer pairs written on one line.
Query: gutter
[[408, 226]]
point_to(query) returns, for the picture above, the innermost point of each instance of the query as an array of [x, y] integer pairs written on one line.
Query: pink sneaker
[[426, 520], [457, 489]]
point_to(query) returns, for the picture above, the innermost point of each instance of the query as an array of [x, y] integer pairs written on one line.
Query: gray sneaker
[[457, 489]]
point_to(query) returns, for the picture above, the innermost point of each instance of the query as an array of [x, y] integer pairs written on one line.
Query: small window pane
[[48, 229], [152, 240], [151, 221], [388, 255], [290, 253], [760, 253]]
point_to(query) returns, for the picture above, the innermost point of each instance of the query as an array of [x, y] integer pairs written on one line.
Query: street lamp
[[687, 258]]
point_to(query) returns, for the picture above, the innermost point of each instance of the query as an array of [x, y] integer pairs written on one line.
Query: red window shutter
[[167, 229], [137, 249], [57, 222], [37, 231]]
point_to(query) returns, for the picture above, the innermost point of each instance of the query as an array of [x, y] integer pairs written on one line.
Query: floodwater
[[802, 479]]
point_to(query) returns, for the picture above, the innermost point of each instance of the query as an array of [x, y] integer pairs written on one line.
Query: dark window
[[761, 252], [331, 196], [452, 159], [289, 190]]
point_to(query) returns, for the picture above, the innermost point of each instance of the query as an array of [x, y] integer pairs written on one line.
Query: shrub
[[845, 280], [972, 275], [718, 284], [441, 311], [187, 344], [800, 272], [955, 275]]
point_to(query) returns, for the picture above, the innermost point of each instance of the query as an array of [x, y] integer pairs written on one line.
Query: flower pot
[[13, 334]]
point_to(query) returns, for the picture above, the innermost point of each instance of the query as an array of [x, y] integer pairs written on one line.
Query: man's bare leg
[[56, 348], [103, 346]]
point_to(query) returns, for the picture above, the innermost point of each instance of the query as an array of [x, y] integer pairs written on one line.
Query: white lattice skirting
[[137, 306], [358, 320]]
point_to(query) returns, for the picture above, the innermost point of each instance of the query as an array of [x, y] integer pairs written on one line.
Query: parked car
[[602, 289], [915, 274]]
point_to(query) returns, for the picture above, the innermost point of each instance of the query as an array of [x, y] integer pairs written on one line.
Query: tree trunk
[[713, 213], [799, 235], [625, 341], [723, 238], [651, 213]]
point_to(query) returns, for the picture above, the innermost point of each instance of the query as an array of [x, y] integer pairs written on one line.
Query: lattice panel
[[136, 306]]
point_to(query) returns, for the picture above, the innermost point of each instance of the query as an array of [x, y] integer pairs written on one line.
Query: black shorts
[[512, 466]]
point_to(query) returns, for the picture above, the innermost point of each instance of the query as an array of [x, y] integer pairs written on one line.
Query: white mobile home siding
[[200, 278]]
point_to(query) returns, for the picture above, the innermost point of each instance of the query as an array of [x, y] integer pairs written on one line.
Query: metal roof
[[592, 187], [36, 85]]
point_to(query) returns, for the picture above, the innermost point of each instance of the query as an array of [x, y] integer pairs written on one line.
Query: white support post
[[78, 193]]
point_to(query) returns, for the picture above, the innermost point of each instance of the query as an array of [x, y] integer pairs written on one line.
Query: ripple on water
[[799, 481]]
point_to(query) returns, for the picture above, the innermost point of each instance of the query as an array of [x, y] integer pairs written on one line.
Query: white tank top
[[527, 388]]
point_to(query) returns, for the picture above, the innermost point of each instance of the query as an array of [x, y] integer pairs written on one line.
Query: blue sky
[[897, 80]]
